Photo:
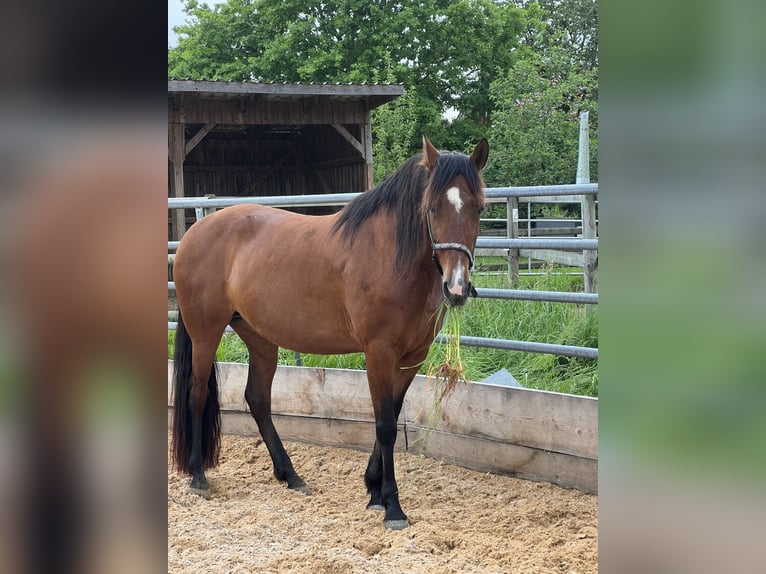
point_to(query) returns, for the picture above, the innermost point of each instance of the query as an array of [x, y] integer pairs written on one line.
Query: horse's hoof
[[200, 486], [396, 524], [375, 507], [301, 488], [203, 492]]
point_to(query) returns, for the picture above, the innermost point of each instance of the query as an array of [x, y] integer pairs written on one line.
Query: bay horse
[[369, 278]]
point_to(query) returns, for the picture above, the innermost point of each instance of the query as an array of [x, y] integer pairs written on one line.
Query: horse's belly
[[307, 327], [308, 336]]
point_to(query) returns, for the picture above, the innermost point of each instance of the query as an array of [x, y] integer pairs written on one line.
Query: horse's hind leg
[[205, 421], [263, 365]]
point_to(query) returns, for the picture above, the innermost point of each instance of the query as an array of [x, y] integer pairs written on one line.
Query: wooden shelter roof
[[375, 94]]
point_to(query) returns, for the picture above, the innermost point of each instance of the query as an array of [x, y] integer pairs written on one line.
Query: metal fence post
[[209, 210], [512, 232], [588, 206], [205, 211]]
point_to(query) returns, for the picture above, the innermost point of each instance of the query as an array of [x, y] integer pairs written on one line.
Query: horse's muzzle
[[456, 295]]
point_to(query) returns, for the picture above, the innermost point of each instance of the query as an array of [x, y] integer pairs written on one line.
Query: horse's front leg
[[387, 392], [385, 433], [373, 476], [373, 479]]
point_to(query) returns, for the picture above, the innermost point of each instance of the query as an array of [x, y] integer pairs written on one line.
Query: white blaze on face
[[457, 273], [453, 194]]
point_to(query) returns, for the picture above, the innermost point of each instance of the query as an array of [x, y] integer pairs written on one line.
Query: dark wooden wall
[[273, 160], [268, 140], [252, 109]]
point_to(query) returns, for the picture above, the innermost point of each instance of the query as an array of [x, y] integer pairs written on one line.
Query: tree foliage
[[536, 124], [474, 58], [539, 99]]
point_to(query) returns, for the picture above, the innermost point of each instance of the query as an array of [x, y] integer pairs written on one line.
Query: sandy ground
[[461, 520]]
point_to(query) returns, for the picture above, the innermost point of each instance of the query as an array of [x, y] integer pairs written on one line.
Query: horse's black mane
[[402, 194]]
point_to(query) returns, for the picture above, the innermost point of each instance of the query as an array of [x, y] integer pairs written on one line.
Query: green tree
[[535, 128], [573, 26], [398, 127], [536, 125], [217, 43], [449, 50], [516, 72], [445, 52]]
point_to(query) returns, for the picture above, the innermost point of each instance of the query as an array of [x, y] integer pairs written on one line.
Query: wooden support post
[[177, 153], [196, 138], [300, 170], [364, 147], [349, 137], [512, 232]]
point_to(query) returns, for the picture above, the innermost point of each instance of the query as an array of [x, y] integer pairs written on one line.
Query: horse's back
[[281, 271]]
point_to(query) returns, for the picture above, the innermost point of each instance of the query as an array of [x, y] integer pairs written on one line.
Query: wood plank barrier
[[530, 434]]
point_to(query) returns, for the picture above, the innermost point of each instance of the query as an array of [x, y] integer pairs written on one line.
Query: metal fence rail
[[504, 344], [526, 346], [571, 244], [501, 243], [550, 296], [509, 344], [519, 295], [318, 199], [493, 194]]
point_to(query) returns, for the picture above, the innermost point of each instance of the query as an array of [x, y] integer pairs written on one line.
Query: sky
[[176, 16]]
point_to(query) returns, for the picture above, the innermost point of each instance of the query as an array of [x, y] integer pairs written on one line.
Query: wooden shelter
[[250, 139]]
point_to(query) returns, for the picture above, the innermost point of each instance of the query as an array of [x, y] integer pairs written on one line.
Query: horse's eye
[[432, 209]]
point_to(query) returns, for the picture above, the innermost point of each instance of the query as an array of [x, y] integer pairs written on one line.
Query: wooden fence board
[[537, 419], [563, 257], [478, 454], [315, 430], [357, 435], [506, 458], [526, 433]]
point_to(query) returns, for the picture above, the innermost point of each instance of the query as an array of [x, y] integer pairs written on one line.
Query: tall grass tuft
[[445, 363], [445, 370]]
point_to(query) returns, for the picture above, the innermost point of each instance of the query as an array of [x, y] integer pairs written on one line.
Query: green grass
[[558, 323]]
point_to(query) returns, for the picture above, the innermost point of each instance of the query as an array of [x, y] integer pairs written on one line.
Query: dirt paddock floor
[[461, 520]]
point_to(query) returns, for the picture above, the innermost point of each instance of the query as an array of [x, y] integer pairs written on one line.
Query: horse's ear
[[480, 154], [430, 155]]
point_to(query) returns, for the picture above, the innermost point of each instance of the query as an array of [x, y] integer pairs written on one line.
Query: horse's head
[[451, 206]]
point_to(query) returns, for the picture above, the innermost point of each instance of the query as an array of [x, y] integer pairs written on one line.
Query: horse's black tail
[[182, 420]]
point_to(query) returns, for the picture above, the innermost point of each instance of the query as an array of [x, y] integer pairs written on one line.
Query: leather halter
[[445, 247]]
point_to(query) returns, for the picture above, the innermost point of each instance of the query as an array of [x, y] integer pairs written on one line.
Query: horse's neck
[[418, 279]]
